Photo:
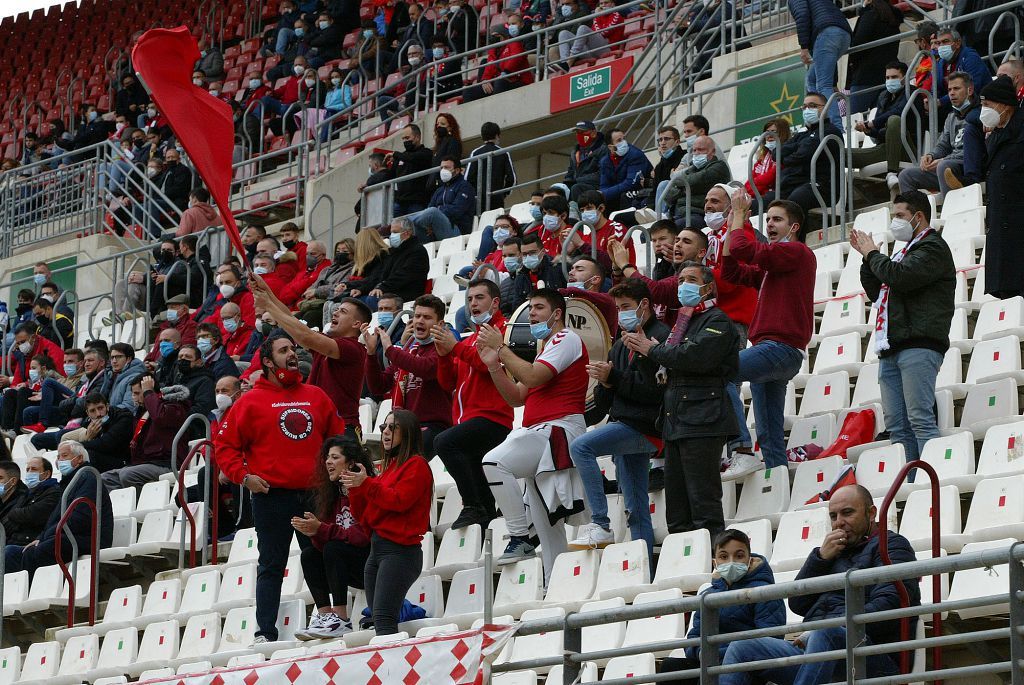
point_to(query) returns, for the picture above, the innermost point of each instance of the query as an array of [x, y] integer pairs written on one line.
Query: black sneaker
[[467, 517], [656, 480], [518, 548]]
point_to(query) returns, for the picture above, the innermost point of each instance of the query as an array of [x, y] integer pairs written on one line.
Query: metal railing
[[96, 512], [210, 508]]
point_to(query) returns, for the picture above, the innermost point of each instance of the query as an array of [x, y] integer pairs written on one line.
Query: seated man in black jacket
[[13, 491], [414, 194], [405, 270], [197, 377], [71, 457], [106, 434], [325, 43], [23, 523], [851, 544]]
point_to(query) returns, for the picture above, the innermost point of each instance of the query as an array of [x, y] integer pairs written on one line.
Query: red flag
[[203, 124]]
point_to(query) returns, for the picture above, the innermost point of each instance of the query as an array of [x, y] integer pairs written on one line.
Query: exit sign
[[590, 85]]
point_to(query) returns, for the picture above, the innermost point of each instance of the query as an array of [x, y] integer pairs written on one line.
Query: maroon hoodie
[[155, 429]]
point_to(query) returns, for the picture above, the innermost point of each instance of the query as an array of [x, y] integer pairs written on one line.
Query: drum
[[582, 317]]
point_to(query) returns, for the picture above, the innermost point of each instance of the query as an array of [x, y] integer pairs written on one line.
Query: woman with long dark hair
[[340, 544], [395, 506]]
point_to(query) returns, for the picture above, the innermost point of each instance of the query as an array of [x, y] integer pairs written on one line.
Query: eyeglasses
[[388, 427], [117, 356]]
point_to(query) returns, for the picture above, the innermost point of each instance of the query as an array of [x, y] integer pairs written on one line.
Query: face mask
[[65, 467], [699, 161], [104, 419], [771, 144], [415, 61], [204, 345], [513, 30], [578, 285], [902, 230], [70, 369], [260, 326], [92, 115], [531, 261], [231, 325], [312, 261], [425, 341], [254, 83], [732, 571], [118, 128], [446, 175], [630, 321], [688, 294], [151, 113], [540, 330], [621, 148], [409, 145], [223, 402], [226, 291], [341, 258], [535, 212], [811, 116], [583, 138], [288, 377], [166, 348], [511, 264], [43, 320], [690, 140], [323, 25], [438, 53], [299, 33], [394, 240], [184, 367], [714, 220], [31, 479], [500, 235], [665, 154], [172, 315], [335, 81], [39, 279], [589, 217], [551, 222], [989, 117], [214, 92], [310, 83], [893, 85], [368, 34], [946, 52], [261, 271], [443, 11], [566, 10], [298, 69], [33, 375], [481, 319], [25, 347], [197, 82], [152, 171], [385, 319]]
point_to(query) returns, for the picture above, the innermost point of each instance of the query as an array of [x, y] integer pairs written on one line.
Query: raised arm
[[299, 331]]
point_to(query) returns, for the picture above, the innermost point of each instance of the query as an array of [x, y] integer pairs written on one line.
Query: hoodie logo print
[[296, 424]]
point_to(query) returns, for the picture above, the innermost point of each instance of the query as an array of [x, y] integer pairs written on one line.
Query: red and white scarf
[[882, 320]]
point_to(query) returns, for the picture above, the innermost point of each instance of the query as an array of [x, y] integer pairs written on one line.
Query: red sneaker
[[34, 428]]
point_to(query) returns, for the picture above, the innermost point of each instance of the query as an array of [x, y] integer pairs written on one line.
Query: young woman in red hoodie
[[395, 507], [340, 544]]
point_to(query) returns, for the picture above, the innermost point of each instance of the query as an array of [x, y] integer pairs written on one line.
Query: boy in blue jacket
[[452, 208]]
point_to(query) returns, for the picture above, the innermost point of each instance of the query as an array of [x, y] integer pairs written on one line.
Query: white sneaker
[[741, 464], [315, 623], [592, 536], [327, 625], [892, 180]]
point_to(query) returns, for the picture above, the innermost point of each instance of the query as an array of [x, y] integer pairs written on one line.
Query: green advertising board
[[766, 96], [65, 280], [590, 85]]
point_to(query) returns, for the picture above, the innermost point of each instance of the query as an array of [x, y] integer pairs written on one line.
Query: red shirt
[[566, 393], [293, 291], [737, 300], [342, 378], [474, 395], [42, 346], [396, 504], [411, 381], [186, 327], [764, 175], [612, 229], [245, 303], [276, 433], [289, 91], [236, 343], [785, 274], [612, 27], [549, 239]]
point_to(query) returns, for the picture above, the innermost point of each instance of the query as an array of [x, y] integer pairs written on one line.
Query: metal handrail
[[96, 507], [183, 431], [646, 233], [992, 35], [828, 211], [577, 228], [210, 507]]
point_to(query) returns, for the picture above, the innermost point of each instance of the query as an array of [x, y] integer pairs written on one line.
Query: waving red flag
[[163, 60]]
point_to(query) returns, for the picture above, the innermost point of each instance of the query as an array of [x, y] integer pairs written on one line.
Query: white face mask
[[254, 83], [714, 220], [414, 61], [223, 402], [446, 175], [336, 81], [227, 291], [197, 82], [214, 92], [902, 230], [989, 117], [310, 83], [299, 69]]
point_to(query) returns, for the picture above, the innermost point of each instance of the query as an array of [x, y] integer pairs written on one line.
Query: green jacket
[[921, 288]]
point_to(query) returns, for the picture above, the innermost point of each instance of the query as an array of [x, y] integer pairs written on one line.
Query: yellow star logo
[[785, 102]]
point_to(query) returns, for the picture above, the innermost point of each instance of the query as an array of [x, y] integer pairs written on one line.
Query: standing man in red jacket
[[482, 418], [270, 444], [783, 269]]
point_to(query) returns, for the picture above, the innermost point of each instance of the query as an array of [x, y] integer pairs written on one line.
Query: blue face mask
[[531, 261], [70, 369], [300, 32], [323, 25], [946, 52], [535, 212], [511, 264], [665, 154], [104, 418], [893, 85], [501, 235], [481, 319], [551, 222], [438, 53], [540, 330], [172, 315], [39, 279], [589, 217], [621, 148], [230, 325], [629, 321], [771, 144], [385, 319], [578, 285], [368, 34], [425, 341], [811, 116], [3, 489], [33, 375], [394, 240], [699, 161], [204, 345], [166, 347], [31, 479], [688, 294], [566, 10], [65, 467]]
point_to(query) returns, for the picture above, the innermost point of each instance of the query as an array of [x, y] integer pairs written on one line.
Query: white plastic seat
[[79, 657], [839, 353], [294, 586], [237, 635], [162, 599], [760, 534], [426, 592], [822, 290], [1002, 453], [764, 494], [996, 358], [974, 583], [450, 510], [849, 278], [606, 635], [951, 373], [10, 665], [520, 587], [826, 393], [542, 644], [588, 673], [47, 586], [819, 430], [42, 659], [916, 522], [811, 478], [988, 405], [123, 606], [844, 315], [237, 588], [246, 660], [624, 571], [244, 548], [465, 596], [685, 561], [194, 667], [182, 524], [867, 390], [122, 501], [573, 578], [968, 198], [459, 550], [442, 479], [125, 533], [1000, 317], [831, 258], [997, 510], [16, 587], [799, 533], [527, 677], [629, 667], [877, 467], [958, 336], [155, 531], [154, 496], [641, 631], [119, 650], [202, 633], [200, 594], [952, 457], [388, 639]]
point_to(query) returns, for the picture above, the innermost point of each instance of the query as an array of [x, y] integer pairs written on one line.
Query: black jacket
[[415, 191], [176, 182], [696, 404], [663, 169], [920, 304], [523, 285], [797, 153], [503, 175], [366, 281], [635, 396], [887, 105], [876, 597], [1004, 176], [196, 289], [126, 97], [222, 365], [109, 449], [25, 522], [201, 386], [14, 502], [867, 67], [585, 165], [328, 42], [79, 521], [405, 270]]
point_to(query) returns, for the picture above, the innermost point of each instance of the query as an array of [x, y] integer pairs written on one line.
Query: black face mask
[[170, 163], [409, 145], [342, 258], [166, 255], [441, 131], [139, 143], [290, 244], [43, 320], [184, 367]]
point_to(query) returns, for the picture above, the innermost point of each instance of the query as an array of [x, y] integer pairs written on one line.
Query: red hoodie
[[396, 504], [42, 346], [412, 382], [511, 61], [737, 300], [293, 291], [236, 343], [612, 27], [243, 298], [475, 396], [342, 526], [276, 433], [289, 90]]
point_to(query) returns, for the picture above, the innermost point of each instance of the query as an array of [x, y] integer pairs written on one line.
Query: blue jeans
[[658, 192], [433, 220], [632, 453], [826, 640], [284, 36], [51, 394], [829, 45], [404, 210], [769, 366], [271, 514], [907, 383]]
